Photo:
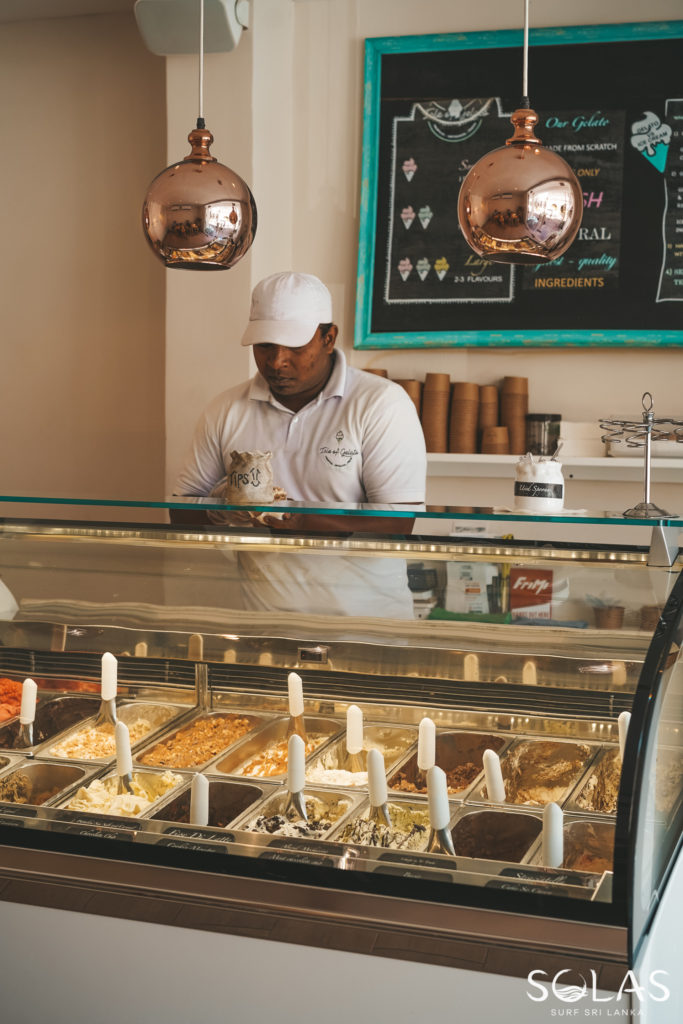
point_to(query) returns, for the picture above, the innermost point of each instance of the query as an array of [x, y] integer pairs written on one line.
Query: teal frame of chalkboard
[[376, 49]]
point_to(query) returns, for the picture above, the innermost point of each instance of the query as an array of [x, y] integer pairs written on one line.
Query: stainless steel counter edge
[[463, 937]]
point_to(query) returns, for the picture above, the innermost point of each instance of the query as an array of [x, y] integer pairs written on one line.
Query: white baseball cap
[[286, 310]]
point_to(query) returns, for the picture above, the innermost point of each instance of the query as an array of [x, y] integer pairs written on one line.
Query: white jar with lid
[[539, 485]]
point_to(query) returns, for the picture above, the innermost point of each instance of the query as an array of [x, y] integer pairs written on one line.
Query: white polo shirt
[[359, 440]]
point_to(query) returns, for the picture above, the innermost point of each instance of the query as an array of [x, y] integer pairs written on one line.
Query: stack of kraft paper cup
[[514, 405], [413, 389], [436, 395], [464, 417]]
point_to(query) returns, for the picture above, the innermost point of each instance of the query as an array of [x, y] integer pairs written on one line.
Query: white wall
[[82, 121], [306, 122]]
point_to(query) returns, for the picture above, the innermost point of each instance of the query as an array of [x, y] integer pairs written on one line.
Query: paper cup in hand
[[29, 692], [124, 759], [494, 777], [552, 852], [199, 800], [624, 722], [426, 745], [109, 676]]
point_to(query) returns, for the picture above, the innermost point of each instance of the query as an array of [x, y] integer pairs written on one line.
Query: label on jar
[[536, 489]]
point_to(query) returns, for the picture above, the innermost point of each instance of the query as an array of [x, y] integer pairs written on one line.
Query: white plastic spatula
[[495, 785], [552, 844], [426, 745], [295, 694], [624, 722], [199, 800], [440, 838], [109, 682], [354, 738], [27, 714], [124, 758], [377, 788], [296, 778]]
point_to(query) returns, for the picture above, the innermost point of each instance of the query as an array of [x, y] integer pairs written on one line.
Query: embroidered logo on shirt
[[340, 456]]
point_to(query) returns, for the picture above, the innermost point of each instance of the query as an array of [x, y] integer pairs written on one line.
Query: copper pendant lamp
[[521, 203], [199, 214]]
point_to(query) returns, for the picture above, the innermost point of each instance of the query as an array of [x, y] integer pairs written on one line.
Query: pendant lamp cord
[[200, 117], [525, 65]]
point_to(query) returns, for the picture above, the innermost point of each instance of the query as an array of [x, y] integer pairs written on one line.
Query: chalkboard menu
[[610, 102]]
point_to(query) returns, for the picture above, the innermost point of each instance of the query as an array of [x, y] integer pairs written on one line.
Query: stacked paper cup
[[495, 441], [514, 405], [462, 433], [435, 402], [413, 388], [378, 370]]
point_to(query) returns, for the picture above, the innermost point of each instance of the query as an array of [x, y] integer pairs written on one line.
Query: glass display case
[[562, 658]]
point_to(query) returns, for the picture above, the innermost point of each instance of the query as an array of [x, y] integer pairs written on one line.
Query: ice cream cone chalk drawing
[[124, 759], [552, 842], [27, 714], [494, 777], [296, 778], [107, 711], [440, 838], [354, 737], [295, 694], [199, 800], [377, 788], [426, 745], [624, 722]]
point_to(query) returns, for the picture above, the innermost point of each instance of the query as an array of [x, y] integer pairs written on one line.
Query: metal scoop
[[354, 738], [494, 777], [124, 759], [199, 800], [27, 714], [440, 838], [107, 711], [295, 692], [552, 845], [296, 778], [377, 788]]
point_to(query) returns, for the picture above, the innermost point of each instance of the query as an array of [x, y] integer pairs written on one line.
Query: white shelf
[[665, 471]]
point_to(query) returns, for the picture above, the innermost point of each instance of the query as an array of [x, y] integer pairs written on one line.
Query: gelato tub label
[[188, 844], [101, 821], [203, 834], [292, 856], [537, 489]]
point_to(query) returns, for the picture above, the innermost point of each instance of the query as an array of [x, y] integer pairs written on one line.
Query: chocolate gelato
[[495, 835]]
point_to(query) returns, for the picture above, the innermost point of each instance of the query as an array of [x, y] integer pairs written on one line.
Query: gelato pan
[[10, 698], [38, 783], [97, 741], [52, 716], [409, 829], [102, 795], [589, 846], [264, 755], [459, 754], [541, 771], [495, 835], [331, 768], [323, 812], [200, 741], [227, 800], [601, 789]]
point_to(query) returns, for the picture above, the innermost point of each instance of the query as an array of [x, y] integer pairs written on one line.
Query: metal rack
[[641, 434]]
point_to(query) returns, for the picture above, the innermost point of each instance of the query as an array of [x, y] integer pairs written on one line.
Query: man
[[337, 434]]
